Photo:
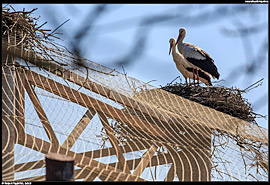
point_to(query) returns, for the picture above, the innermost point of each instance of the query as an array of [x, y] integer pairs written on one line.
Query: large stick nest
[[227, 100]]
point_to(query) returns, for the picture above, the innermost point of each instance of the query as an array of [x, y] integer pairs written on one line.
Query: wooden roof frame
[[160, 130]]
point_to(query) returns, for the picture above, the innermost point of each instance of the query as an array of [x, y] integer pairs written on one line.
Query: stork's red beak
[[170, 49], [179, 36]]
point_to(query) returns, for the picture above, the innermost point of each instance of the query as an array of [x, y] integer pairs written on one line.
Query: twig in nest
[[217, 81], [56, 28], [24, 12], [174, 80], [253, 85], [41, 25]]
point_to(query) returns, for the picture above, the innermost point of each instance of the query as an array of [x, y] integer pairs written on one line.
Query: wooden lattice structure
[[114, 126]]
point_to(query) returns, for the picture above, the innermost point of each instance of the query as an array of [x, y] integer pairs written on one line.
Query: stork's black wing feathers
[[207, 64]]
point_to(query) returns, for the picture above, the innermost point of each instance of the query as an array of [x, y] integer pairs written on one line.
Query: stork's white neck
[[180, 44], [174, 51], [181, 39], [176, 55]]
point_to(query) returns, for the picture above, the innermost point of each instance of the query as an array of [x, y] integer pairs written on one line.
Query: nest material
[[21, 32], [227, 100], [22, 26]]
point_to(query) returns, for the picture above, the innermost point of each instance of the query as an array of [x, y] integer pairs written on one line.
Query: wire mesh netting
[[114, 126]]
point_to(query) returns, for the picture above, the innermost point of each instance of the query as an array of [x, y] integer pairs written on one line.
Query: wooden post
[[59, 167]]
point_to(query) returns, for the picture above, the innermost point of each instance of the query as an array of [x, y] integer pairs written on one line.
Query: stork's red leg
[[193, 76], [197, 75]]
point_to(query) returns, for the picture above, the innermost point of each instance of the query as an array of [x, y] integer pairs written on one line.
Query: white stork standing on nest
[[186, 68], [196, 56]]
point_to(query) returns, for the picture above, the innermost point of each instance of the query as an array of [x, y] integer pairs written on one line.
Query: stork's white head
[[182, 34], [172, 43], [182, 30]]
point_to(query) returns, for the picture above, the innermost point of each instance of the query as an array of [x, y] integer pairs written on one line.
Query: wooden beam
[[161, 117], [80, 159], [90, 176], [82, 81], [145, 159], [31, 179], [91, 154], [159, 159], [8, 119], [29, 165], [171, 173], [117, 176], [79, 128], [87, 101], [114, 142], [134, 146], [41, 114], [20, 106], [156, 160], [191, 164], [140, 144], [45, 147], [187, 114]]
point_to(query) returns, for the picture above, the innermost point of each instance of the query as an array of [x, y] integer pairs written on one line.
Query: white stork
[[196, 56], [186, 68]]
